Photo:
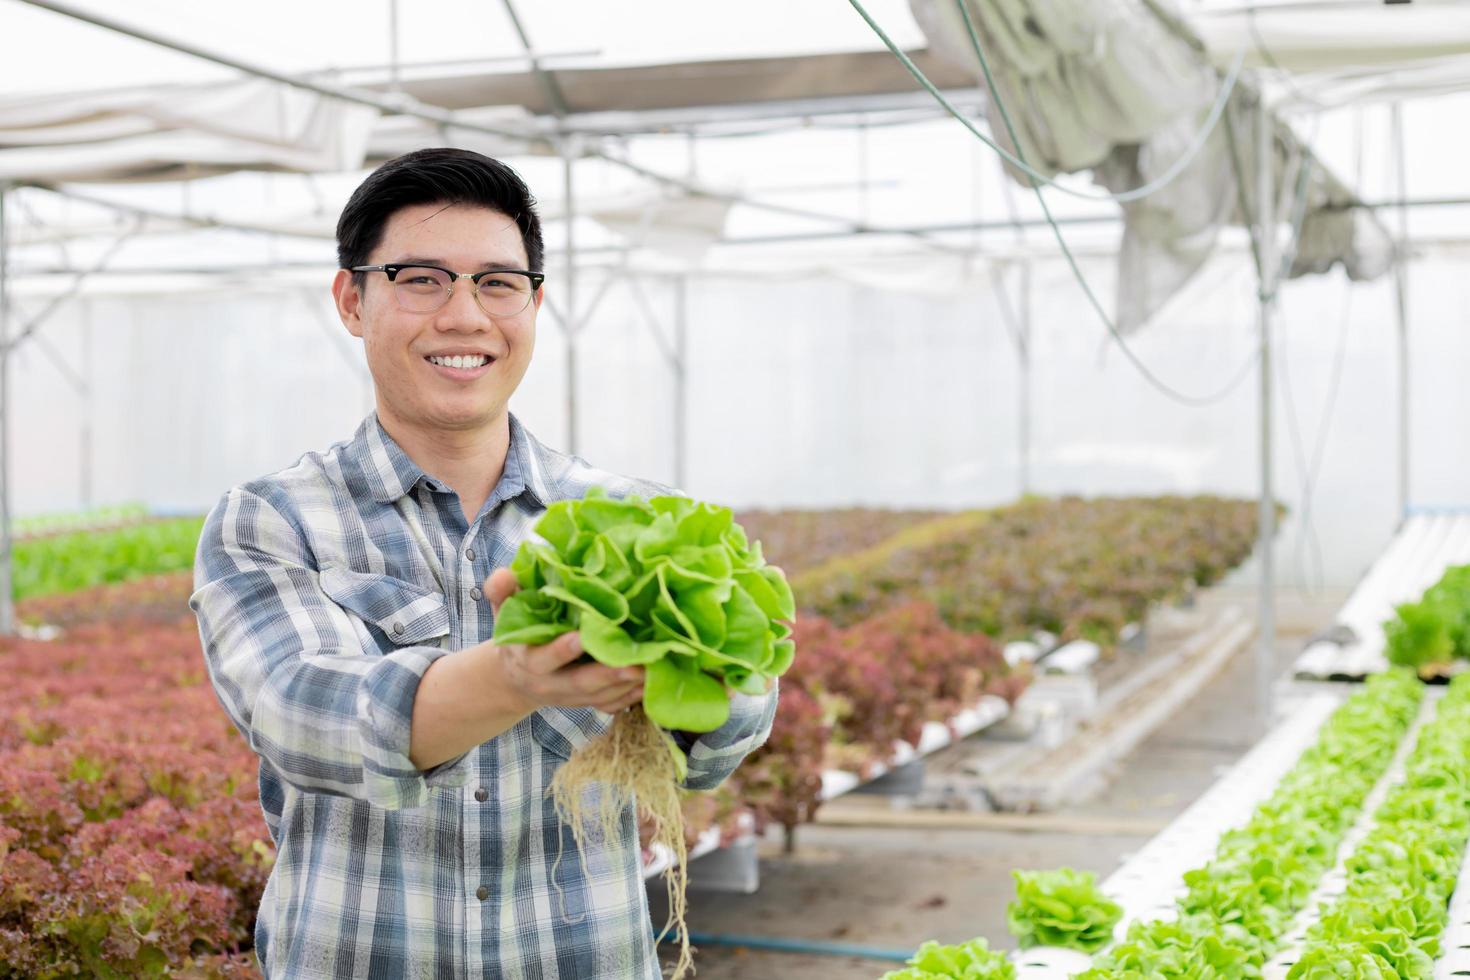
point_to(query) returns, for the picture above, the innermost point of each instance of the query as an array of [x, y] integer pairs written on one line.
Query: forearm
[[462, 701]]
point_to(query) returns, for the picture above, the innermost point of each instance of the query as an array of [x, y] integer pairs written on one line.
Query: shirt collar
[[390, 473]]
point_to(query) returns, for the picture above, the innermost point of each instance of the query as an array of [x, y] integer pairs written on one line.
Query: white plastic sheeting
[[1118, 88], [184, 132], [1349, 54], [173, 132], [812, 392], [1078, 77], [675, 224]]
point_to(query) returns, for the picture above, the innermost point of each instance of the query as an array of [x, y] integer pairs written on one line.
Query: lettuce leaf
[[974, 960], [1061, 908]]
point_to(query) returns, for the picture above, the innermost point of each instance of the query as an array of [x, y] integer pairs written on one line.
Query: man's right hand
[[472, 695], [543, 676]]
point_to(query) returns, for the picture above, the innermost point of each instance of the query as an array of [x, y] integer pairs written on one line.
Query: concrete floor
[[895, 888]]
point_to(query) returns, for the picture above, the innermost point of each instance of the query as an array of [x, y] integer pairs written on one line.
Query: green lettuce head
[[667, 583], [973, 960], [1061, 908]]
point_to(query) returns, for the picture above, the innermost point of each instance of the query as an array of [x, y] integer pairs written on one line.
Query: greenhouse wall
[[805, 393]]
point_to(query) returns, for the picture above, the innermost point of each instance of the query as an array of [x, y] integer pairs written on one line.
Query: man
[[346, 604]]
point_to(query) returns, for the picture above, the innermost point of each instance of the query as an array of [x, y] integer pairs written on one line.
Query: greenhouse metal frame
[[558, 135]]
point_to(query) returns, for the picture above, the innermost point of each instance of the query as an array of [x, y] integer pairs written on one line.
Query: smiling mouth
[[462, 362]]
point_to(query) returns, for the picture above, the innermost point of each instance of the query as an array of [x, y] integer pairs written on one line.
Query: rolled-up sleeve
[[714, 755], [291, 671]]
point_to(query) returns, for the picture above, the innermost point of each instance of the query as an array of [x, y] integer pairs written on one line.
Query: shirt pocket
[[561, 731], [389, 612]]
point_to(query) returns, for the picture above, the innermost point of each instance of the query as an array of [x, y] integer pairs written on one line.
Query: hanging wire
[[1314, 466], [1324, 427], [1308, 528], [1166, 389], [1312, 584], [1196, 143]]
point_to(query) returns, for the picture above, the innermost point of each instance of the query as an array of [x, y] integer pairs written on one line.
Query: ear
[[349, 302], [537, 297]]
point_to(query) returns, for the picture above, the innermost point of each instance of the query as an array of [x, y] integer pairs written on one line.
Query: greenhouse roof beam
[[916, 106], [408, 105], [739, 87], [403, 105], [547, 81], [58, 360], [237, 270], [39, 320], [441, 64], [183, 220]]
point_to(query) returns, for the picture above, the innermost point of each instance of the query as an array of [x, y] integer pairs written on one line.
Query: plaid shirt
[[323, 592]]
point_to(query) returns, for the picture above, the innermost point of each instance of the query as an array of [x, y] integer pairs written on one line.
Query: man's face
[[411, 389]]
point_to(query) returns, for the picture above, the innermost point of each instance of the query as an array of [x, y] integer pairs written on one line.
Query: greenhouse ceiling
[[778, 126]]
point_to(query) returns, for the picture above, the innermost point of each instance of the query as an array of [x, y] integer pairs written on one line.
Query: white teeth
[[462, 361]]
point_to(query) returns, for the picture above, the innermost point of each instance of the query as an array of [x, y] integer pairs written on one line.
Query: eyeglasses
[[426, 288]]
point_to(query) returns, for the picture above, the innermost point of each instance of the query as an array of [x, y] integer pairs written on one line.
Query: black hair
[[438, 175]]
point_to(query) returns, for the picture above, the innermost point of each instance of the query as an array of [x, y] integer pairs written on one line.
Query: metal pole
[[681, 382], [549, 88], [1266, 219], [84, 448], [1401, 307], [1025, 352], [395, 82], [569, 316], [7, 588]]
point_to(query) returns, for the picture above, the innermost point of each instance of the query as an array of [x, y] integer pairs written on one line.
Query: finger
[[617, 700], [589, 682], [620, 687], [623, 693], [501, 585], [634, 698], [551, 657]]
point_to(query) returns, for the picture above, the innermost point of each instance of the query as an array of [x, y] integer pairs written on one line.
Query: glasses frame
[[392, 269]]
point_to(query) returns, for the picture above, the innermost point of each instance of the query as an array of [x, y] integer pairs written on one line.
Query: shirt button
[[470, 553], [482, 893], [397, 629], [480, 795], [476, 594]]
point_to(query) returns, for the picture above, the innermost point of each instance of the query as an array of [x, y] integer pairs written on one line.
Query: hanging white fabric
[[167, 132], [1120, 89]]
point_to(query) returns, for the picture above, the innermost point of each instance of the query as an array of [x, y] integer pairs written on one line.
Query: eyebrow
[[428, 260]]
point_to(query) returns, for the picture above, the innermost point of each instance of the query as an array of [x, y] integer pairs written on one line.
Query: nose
[[463, 305]]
